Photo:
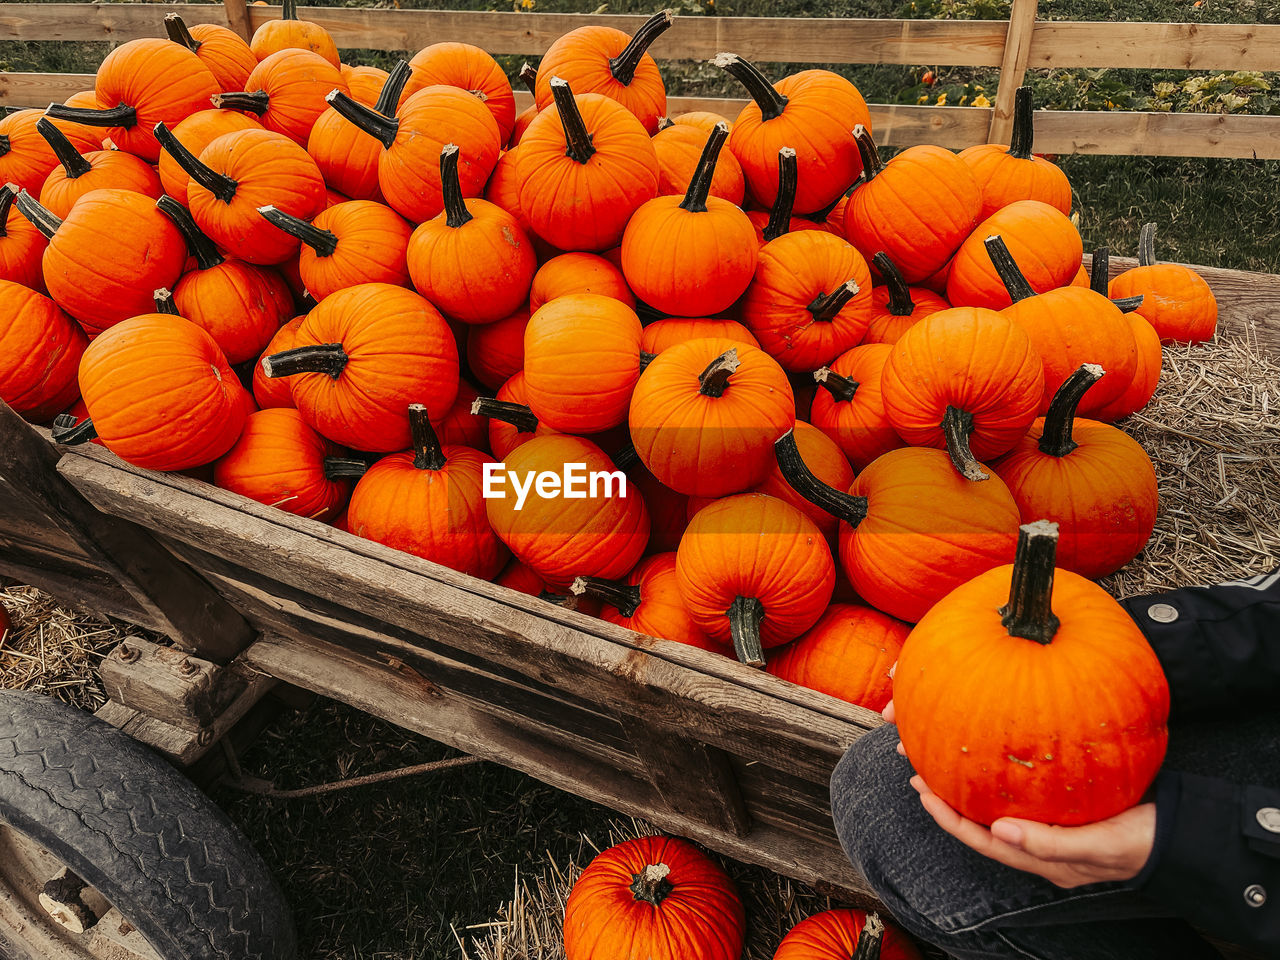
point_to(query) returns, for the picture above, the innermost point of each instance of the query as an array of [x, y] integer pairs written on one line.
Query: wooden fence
[[1014, 46]]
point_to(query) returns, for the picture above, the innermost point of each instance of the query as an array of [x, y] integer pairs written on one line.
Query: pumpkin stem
[[428, 454], [1127, 304], [788, 179], [256, 101], [1029, 612], [826, 306], [392, 88], [163, 299], [577, 139], [455, 206], [714, 379], [1023, 134], [516, 414], [220, 185], [820, 216], [68, 433], [178, 32], [1007, 268], [327, 358], [626, 457], [871, 162], [623, 66], [624, 596], [746, 614], [1100, 270], [870, 939], [289, 10], [41, 217], [323, 242], [769, 100], [382, 128], [72, 162], [5, 145], [1055, 440], [1147, 246], [842, 389], [900, 302], [121, 115], [530, 77], [7, 194], [841, 505], [198, 243], [343, 468], [695, 198], [651, 884], [957, 426], [664, 123]]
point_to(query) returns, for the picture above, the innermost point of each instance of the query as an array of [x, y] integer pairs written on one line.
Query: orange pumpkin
[[462, 428], [844, 934], [346, 155], [21, 243], [849, 406], [469, 68], [703, 120], [227, 56], [529, 76], [26, 158], [287, 92], [40, 351], [268, 393], [1146, 375], [668, 332], [1039, 237], [668, 509], [78, 173], [895, 307], [195, 133], [847, 654], [495, 351], [578, 273], [772, 223], [290, 33], [679, 148], [828, 463], [511, 422], [1176, 301]]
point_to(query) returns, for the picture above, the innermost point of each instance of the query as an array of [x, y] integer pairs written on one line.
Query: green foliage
[[1240, 92], [956, 9]]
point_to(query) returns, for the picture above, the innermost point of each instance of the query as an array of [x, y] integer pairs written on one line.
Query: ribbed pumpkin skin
[[503, 189], [503, 437], [704, 120], [679, 147], [818, 124], [668, 510], [661, 612], [1077, 730], [21, 250], [1146, 375], [1004, 179], [581, 362], [710, 446], [927, 531], [161, 394], [112, 170], [240, 305], [1176, 301], [753, 545], [401, 352], [296, 81], [1042, 241], [438, 515], [279, 461], [29, 157], [269, 169], [1102, 495], [228, 57], [373, 242], [833, 935], [162, 80], [701, 918], [885, 327], [268, 392], [585, 206], [82, 135], [918, 209], [793, 270], [195, 133], [976, 360], [846, 654], [560, 538], [668, 332], [462, 428], [276, 35], [827, 461], [346, 155], [495, 351], [469, 68], [859, 426], [40, 350], [112, 252], [581, 57], [578, 273]]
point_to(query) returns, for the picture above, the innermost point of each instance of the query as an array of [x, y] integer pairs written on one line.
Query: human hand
[[1109, 850]]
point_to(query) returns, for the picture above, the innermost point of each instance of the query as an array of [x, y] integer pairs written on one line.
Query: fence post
[[1013, 68], [238, 17]]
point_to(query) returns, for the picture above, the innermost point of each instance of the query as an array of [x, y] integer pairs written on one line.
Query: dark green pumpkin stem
[[252, 101], [625, 457], [392, 88], [327, 358], [198, 243], [1100, 270], [746, 614], [7, 195], [289, 10], [1007, 269], [578, 140], [428, 454], [220, 185], [178, 32], [714, 379], [323, 242], [1127, 304], [769, 100], [841, 505], [1055, 441], [530, 77], [826, 306], [617, 593], [344, 468], [5, 145], [72, 162], [900, 302], [870, 939], [516, 414], [121, 115], [1147, 246], [841, 388], [1023, 134], [695, 198], [41, 217], [163, 299], [788, 179], [820, 216], [957, 427], [379, 126], [1029, 612], [623, 66], [651, 884], [456, 213], [68, 433], [871, 163]]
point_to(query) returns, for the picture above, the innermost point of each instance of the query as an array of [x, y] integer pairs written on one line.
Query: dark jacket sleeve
[[1219, 646]]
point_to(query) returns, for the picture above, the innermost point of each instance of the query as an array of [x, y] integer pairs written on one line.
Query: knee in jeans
[[868, 785]]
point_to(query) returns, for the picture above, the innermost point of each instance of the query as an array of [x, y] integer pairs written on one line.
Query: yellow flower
[[528, 4], [981, 101], [979, 87], [963, 100], [942, 99], [924, 98]]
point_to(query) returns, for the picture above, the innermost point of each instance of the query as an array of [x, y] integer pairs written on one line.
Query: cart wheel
[[106, 851]]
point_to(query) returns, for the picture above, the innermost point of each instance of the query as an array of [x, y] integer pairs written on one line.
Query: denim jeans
[[977, 909]]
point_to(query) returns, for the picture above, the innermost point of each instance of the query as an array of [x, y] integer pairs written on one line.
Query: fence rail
[[1014, 46]]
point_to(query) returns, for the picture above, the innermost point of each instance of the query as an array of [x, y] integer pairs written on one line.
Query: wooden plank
[[1156, 46], [1129, 133], [1013, 68], [237, 12], [41, 89]]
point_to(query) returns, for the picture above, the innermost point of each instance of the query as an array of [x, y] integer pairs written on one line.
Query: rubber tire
[[132, 826]]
